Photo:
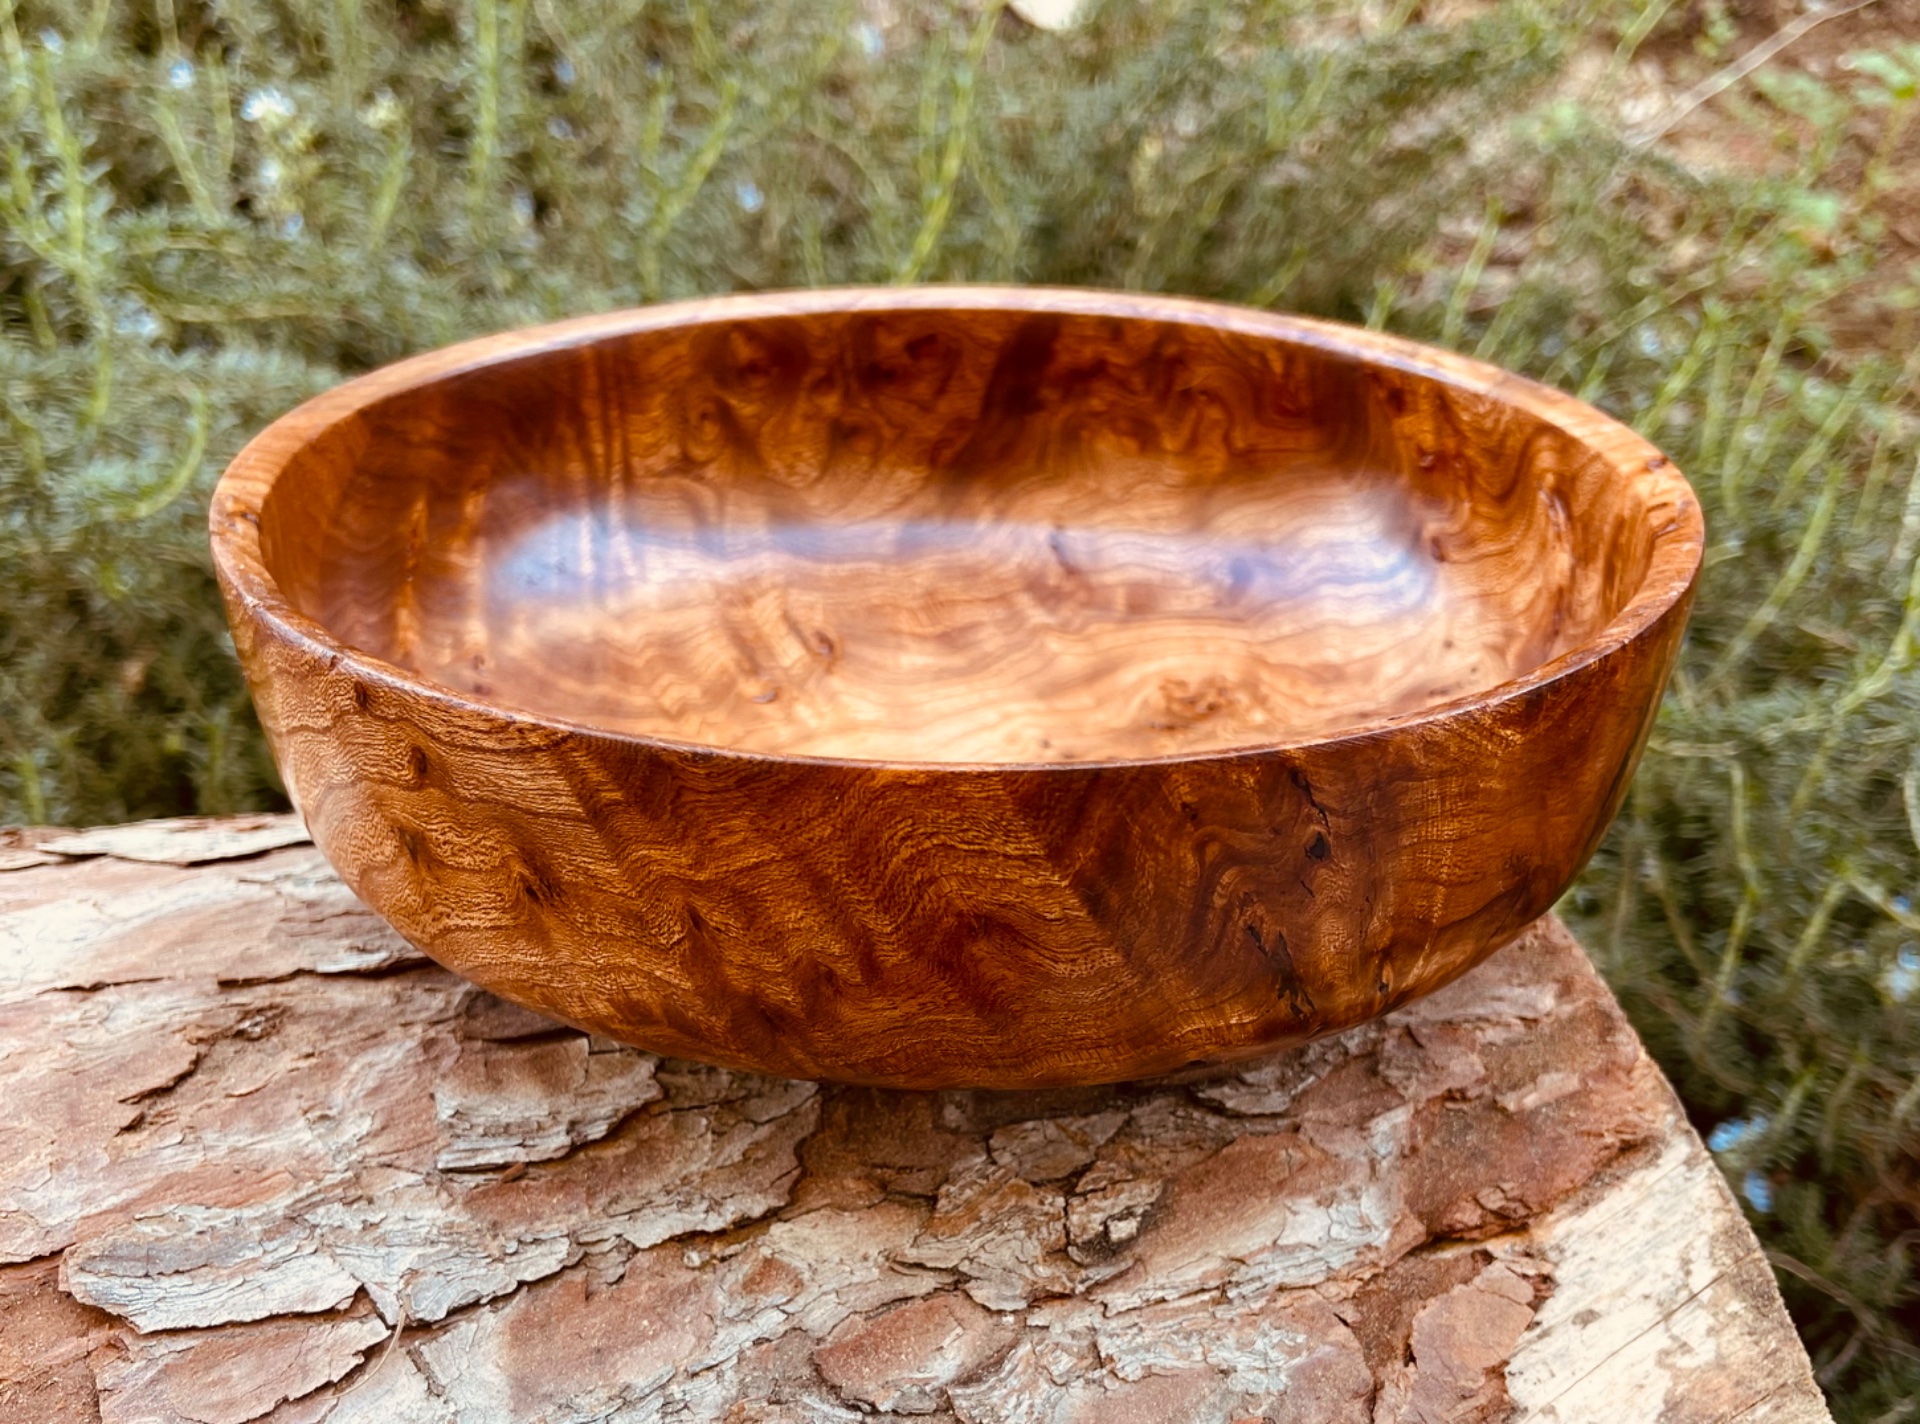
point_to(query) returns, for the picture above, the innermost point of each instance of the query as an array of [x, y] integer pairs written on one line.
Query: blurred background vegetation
[[211, 209]]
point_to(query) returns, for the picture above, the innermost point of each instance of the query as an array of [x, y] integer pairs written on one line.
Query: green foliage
[[1753, 907], [212, 208]]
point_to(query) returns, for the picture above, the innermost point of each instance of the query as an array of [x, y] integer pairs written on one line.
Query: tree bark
[[262, 1160]]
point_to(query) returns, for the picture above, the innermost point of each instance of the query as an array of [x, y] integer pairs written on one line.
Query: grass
[[210, 210]]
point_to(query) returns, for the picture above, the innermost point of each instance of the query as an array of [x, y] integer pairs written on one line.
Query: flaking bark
[[262, 1161]]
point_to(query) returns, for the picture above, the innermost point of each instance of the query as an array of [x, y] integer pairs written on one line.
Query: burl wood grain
[[969, 686]]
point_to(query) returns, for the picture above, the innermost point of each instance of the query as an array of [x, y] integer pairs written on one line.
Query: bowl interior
[[970, 535]]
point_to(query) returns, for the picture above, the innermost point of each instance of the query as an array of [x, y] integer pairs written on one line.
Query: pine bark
[[259, 1159]]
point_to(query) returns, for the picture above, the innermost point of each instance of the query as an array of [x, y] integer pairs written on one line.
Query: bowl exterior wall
[[936, 927]]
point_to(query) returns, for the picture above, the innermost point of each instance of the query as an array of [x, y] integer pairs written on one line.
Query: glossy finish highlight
[[955, 686]]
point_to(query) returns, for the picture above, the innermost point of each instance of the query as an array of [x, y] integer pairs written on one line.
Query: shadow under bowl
[[955, 686]]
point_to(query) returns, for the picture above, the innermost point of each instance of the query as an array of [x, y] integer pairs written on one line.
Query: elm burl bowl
[[955, 687]]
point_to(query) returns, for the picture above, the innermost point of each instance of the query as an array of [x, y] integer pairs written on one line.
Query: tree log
[[262, 1160]]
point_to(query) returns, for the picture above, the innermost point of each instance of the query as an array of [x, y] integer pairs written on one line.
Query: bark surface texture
[[262, 1160]]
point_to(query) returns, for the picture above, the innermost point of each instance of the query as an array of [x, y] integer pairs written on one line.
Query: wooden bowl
[[962, 686]]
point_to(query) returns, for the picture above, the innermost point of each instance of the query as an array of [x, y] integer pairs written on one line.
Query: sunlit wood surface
[[263, 1161], [955, 686]]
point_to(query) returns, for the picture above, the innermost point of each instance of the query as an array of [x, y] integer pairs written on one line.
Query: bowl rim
[[241, 492]]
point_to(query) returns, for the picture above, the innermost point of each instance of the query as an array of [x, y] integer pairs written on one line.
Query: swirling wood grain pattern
[[965, 686]]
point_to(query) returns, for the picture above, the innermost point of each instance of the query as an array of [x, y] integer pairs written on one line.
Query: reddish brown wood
[[260, 1161], [968, 686]]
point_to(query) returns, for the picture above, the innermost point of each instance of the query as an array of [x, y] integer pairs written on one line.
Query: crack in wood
[[341, 1164]]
